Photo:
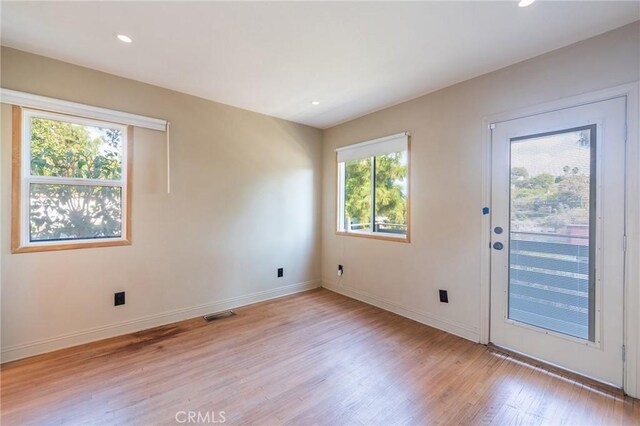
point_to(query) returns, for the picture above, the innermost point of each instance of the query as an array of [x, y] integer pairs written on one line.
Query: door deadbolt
[[498, 246]]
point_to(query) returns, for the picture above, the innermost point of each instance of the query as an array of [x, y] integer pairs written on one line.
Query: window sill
[[375, 236], [69, 246]]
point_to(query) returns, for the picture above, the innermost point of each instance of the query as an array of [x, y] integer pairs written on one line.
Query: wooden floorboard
[[559, 371], [315, 358]]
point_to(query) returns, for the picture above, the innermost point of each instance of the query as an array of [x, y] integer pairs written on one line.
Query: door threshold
[[559, 371]]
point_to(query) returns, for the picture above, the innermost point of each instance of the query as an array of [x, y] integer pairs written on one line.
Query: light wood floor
[[312, 358]]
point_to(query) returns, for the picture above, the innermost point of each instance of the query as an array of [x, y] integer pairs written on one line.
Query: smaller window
[[70, 182], [373, 188]]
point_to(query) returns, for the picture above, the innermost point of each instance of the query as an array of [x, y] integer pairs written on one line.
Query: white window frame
[[26, 179], [371, 149]]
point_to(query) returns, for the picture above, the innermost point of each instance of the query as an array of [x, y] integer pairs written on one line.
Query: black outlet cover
[[280, 272], [118, 298], [444, 296]]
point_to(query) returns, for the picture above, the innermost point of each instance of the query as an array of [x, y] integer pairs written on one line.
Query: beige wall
[[446, 180], [245, 200]]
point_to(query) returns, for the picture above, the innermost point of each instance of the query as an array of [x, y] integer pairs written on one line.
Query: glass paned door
[[557, 237], [551, 256]]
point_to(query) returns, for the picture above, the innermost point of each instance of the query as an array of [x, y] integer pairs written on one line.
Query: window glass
[[391, 193], [357, 200], [551, 271], [67, 212], [65, 149]]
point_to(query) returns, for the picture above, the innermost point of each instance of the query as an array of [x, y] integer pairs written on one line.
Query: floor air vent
[[218, 315]]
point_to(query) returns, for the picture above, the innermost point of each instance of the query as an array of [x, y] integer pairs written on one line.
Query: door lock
[[498, 246]]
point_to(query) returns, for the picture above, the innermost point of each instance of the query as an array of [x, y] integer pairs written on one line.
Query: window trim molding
[[17, 245], [367, 234]]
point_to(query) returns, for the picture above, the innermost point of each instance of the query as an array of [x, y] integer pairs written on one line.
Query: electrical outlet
[[118, 298], [444, 296], [280, 272]]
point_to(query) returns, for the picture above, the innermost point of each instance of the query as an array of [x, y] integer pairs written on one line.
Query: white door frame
[[631, 336]]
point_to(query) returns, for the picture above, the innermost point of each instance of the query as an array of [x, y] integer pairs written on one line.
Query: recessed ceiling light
[[315, 102], [126, 39], [525, 3]]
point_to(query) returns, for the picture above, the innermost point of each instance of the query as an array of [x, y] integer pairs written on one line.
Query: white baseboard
[[411, 313], [15, 352]]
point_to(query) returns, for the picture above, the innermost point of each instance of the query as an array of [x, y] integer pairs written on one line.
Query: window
[[71, 180], [373, 194]]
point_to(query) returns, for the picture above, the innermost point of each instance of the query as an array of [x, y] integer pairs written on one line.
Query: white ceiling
[[275, 58]]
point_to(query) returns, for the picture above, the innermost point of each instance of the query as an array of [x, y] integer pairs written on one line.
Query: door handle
[[498, 246]]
